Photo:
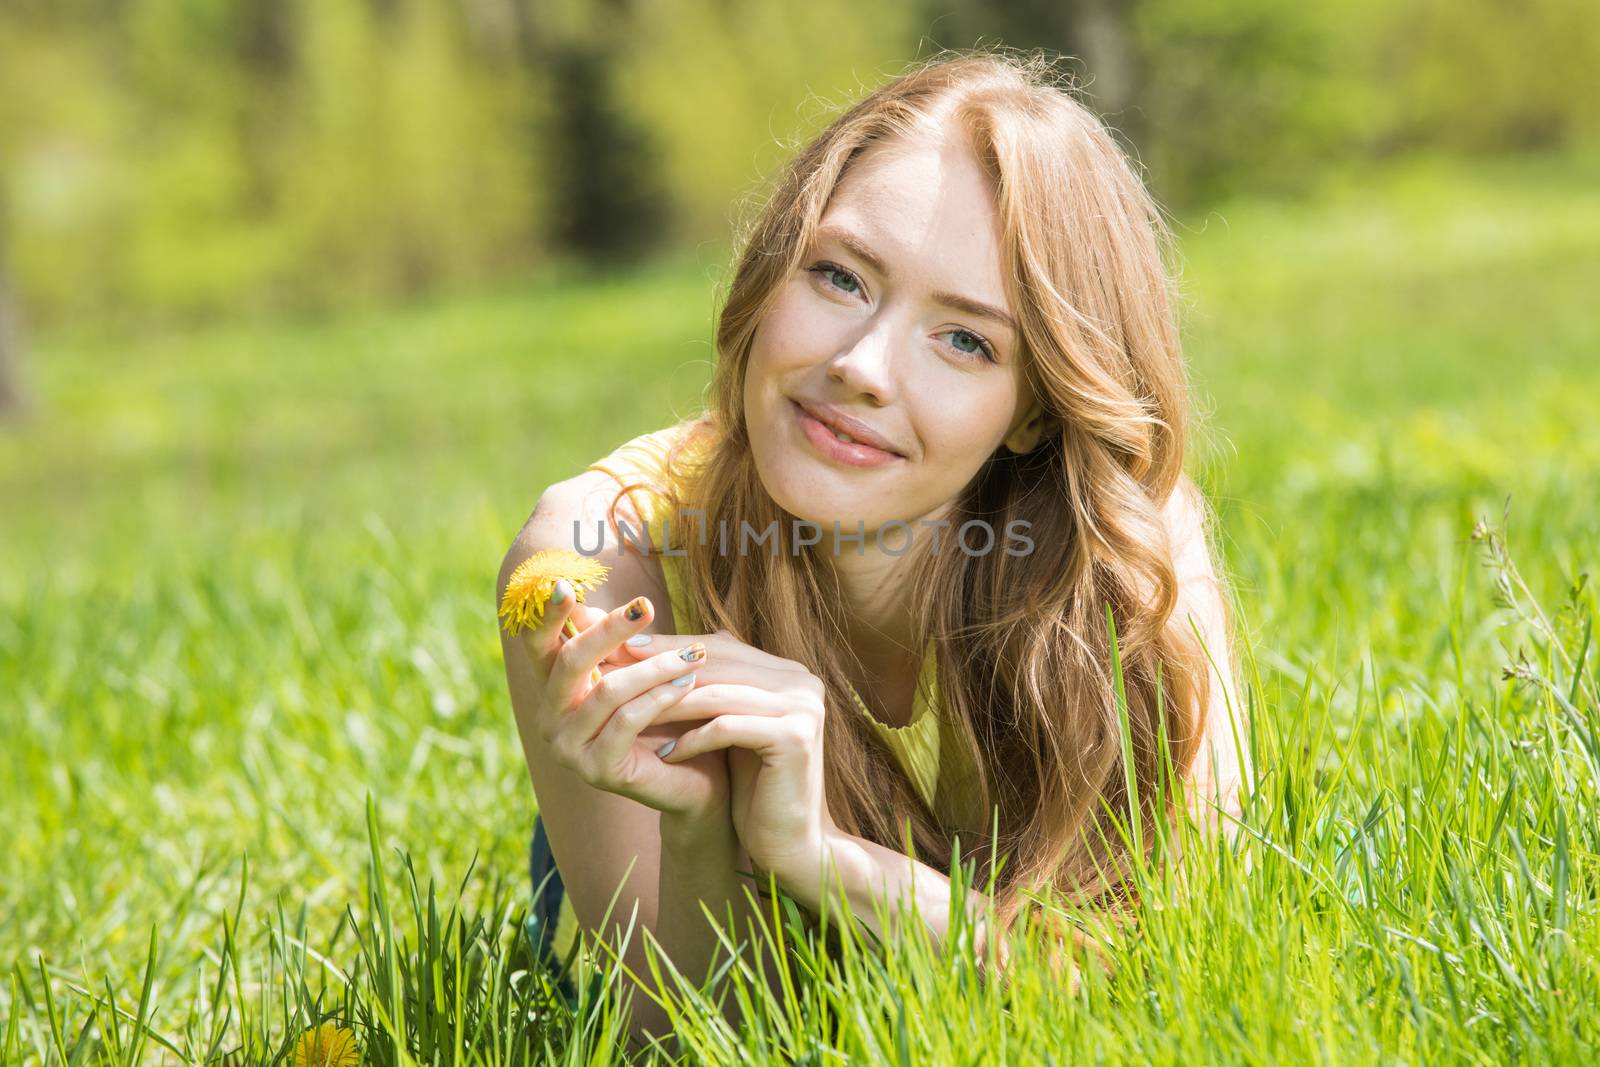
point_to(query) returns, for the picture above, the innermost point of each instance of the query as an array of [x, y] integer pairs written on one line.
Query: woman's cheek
[[794, 334], [958, 439]]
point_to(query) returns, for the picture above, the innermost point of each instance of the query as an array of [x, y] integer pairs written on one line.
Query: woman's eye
[[980, 346], [829, 271]]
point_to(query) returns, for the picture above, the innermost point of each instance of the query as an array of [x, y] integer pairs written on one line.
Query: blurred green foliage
[[247, 575], [170, 159]]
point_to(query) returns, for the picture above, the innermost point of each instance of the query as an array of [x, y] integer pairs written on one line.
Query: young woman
[[950, 349]]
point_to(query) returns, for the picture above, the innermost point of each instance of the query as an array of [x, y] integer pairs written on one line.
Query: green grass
[[246, 581]]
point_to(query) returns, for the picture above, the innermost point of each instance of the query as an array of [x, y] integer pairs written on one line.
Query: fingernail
[[684, 679], [635, 609], [562, 590], [665, 749], [639, 640], [694, 653]]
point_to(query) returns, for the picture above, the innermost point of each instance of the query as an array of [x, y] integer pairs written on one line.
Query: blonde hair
[[1031, 692]]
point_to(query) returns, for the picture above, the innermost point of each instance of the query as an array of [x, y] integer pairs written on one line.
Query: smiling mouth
[[840, 447], [828, 422]]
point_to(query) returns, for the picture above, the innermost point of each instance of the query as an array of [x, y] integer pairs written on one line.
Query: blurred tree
[[1248, 93], [266, 37], [1484, 76], [12, 398], [601, 164], [731, 89], [11, 393], [608, 200], [405, 169], [1095, 35], [189, 158]]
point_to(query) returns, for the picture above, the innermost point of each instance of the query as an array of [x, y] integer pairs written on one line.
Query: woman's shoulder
[[568, 515], [655, 443], [626, 486], [647, 456], [641, 470]]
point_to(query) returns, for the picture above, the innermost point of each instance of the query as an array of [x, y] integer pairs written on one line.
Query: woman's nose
[[867, 365]]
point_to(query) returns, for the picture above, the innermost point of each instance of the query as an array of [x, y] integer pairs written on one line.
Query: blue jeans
[[548, 892]]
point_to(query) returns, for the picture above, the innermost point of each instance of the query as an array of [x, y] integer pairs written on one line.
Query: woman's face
[[871, 328]]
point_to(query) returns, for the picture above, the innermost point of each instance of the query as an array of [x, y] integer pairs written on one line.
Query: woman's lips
[[849, 453]]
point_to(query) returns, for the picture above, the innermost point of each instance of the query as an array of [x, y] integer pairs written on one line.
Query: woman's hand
[[767, 713], [607, 732]]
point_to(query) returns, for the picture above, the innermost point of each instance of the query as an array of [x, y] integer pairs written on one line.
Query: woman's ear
[[1026, 437]]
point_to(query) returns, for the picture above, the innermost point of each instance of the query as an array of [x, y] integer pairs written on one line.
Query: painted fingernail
[[694, 653], [639, 640], [667, 748], [562, 590], [684, 679], [635, 609]]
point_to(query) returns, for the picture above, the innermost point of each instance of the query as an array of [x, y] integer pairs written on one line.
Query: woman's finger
[[544, 640], [584, 616], [629, 683], [579, 656], [711, 698], [767, 735], [718, 671], [620, 732], [722, 645]]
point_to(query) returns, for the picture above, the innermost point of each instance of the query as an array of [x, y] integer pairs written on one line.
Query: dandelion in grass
[[328, 1045], [529, 588]]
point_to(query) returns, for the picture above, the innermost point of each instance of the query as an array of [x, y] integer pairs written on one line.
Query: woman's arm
[[867, 872], [596, 836], [769, 713], [699, 861]]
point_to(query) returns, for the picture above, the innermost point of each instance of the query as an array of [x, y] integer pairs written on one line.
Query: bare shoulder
[[1222, 765], [1187, 517], [1202, 597], [581, 505]]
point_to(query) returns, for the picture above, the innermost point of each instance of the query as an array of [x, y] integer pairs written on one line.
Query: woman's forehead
[[923, 209], [925, 162]]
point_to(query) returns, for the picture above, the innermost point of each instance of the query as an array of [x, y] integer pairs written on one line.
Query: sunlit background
[[180, 161], [303, 303]]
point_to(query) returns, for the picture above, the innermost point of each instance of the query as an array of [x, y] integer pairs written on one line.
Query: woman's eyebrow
[[975, 307], [950, 300]]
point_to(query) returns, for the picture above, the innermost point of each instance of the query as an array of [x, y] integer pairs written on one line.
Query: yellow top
[[917, 745]]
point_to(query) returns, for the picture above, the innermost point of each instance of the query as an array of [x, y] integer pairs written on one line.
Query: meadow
[[260, 767]]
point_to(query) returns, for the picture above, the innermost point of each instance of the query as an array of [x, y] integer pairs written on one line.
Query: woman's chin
[[825, 510]]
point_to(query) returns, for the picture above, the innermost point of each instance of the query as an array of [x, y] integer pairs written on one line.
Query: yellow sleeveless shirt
[[640, 463]]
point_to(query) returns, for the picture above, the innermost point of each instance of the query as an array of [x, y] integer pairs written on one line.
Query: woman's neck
[[875, 591], [875, 587]]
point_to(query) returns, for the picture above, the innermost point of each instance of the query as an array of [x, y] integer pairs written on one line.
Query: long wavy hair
[[1023, 648]]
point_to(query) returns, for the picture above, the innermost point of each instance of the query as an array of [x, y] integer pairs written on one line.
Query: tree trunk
[[12, 399], [1100, 28], [1097, 35]]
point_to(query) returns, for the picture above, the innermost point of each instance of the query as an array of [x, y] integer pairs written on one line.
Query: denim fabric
[[548, 892]]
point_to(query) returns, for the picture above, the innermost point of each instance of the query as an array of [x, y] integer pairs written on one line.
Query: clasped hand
[[754, 750]]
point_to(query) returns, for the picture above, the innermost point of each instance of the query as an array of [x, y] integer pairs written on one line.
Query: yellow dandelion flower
[[530, 585], [328, 1045]]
